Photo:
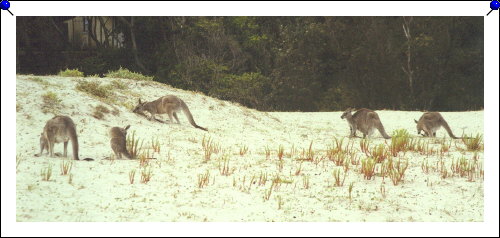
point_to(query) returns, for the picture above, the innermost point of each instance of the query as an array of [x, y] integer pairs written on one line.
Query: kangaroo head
[[346, 114], [140, 107], [124, 130], [419, 127]]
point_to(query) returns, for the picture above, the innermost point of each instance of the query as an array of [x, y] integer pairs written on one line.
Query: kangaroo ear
[[415, 121], [140, 101], [126, 128]]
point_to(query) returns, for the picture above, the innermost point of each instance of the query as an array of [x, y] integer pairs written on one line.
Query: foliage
[[70, 73], [127, 74], [285, 63], [94, 88]]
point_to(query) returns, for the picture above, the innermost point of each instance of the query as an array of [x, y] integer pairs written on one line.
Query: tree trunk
[[134, 43], [408, 70]]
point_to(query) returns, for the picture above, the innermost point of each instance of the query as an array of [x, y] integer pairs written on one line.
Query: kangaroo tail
[[382, 131], [74, 141], [378, 123], [127, 154], [450, 133], [186, 111]]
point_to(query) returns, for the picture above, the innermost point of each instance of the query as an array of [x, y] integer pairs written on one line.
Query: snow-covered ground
[[100, 190]]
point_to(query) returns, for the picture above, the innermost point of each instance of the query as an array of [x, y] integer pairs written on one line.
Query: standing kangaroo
[[169, 104], [119, 141], [430, 122], [364, 120], [59, 129]]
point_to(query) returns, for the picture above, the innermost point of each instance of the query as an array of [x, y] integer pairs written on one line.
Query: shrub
[[133, 146], [94, 88], [368, 167], [127, 74], [51, 103], [119, 84], [70, 73], [99, 112], [473, 143]]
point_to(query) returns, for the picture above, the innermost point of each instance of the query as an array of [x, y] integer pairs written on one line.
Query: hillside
[[240, 176]]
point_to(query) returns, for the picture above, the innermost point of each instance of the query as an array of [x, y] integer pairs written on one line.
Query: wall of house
[[81, 39]]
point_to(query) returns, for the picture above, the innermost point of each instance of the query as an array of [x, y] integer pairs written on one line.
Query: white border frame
[[491, 117]]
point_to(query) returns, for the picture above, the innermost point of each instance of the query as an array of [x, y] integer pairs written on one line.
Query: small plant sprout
[[339, 180], [144, 159], [131, 176], [208, 154], [382, 191], [209, 147], [364, 145], [445, 147], [305, 182], [155, 144], [338, 157], [399, 142], [354, 159], [133, 146], [70, 179], [473, 143], [464, 168], [280, 202], [310, 153], [262, 179], [146, 174], [351, 186], [19, 159], [397, 171], [280, 164], [292, 152], [379, 153], [281, 150], [480, 170], [66, 166], [368, 168], [243, 150], [338, 144], [224, 168], [425, 166], [346, 165], [298, 170], [46, 173], [268, 192], [267, 151], [203, 179], [443, 171]]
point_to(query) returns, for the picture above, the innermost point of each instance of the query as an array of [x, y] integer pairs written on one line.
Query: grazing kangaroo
[[364, 120], [119, 141], [430, 122], [169, 104], [59, 129]]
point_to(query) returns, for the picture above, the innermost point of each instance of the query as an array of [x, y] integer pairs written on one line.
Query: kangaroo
[[59, 129], [43, 145], [364, 120], [430, 122], [169, 104], [118, 141]]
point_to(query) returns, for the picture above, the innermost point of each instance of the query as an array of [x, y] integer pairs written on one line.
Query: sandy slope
[[101, 191]]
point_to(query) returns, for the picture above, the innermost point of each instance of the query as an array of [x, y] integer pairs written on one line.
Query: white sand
[[101, 191]]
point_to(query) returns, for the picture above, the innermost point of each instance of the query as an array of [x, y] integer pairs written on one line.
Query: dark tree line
[[289, 63]]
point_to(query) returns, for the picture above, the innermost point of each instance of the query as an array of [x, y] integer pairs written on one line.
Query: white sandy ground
[[101, 191]]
